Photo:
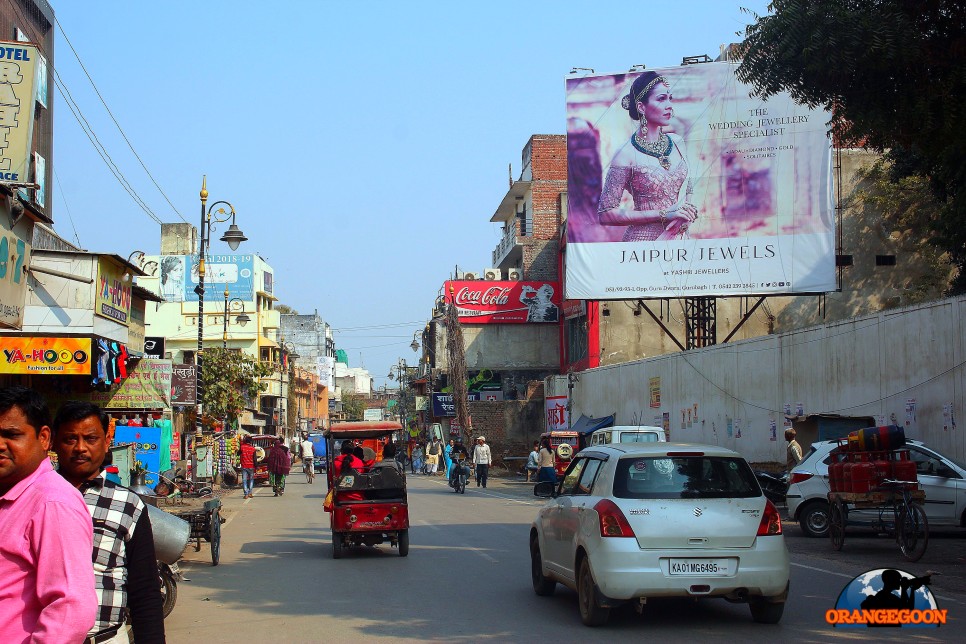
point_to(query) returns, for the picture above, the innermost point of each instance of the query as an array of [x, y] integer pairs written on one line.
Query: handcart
[[898, 509], [205, 524]]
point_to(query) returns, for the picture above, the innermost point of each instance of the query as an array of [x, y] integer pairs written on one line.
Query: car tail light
[[771, 521], [612, 521], [798, 477]]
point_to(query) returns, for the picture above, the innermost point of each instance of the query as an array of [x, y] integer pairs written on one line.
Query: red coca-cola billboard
[[479, 302]]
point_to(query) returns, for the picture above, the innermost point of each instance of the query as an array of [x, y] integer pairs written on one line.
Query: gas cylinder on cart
[[863, 476], [875, 439], [835, 475], [883, 467], [846, 480], [903, 469]]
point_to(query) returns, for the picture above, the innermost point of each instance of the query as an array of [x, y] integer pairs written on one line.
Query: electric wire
[[70, 217], [118, 125]]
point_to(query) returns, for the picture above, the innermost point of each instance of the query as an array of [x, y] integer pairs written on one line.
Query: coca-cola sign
[[481, 302]]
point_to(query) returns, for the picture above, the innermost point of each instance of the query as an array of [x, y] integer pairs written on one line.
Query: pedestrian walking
[[448, 457], [545, 461], [125, 566], [794, 450], [246, 457], [416, 464], [279, 466], [434, 453], [46, 533], [482, 459]]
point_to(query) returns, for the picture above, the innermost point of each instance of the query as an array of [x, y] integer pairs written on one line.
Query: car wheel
[[814, 519], [591, 612], [336, 545], [765, 612], [543, 586]]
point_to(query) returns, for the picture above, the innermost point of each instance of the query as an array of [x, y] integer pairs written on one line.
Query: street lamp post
[[233, 236], [242, 318]]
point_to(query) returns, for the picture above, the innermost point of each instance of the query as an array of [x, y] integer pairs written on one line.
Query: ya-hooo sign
[[60, 356], [481, 302], [113, 297], [18, 77]]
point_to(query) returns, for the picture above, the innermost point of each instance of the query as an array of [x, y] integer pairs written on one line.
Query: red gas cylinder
[[847, 476], [862, 477], [883, 468], [835, 476], [903, 469]]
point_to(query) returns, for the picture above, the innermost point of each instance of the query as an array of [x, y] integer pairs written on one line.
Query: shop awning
[[588, 424]]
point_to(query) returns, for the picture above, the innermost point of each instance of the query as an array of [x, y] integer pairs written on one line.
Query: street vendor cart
[[205, 524], [367, 507]]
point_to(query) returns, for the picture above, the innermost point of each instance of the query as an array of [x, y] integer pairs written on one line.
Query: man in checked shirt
[[125, 568]]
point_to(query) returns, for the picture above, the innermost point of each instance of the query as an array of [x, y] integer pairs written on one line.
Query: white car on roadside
[[634, 521], [627, 434], [940, 477]]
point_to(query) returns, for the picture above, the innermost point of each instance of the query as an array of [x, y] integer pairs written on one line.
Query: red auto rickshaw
[[564, 445], [377, 508]]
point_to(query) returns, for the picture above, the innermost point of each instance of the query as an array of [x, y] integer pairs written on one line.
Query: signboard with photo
[[483, 302]]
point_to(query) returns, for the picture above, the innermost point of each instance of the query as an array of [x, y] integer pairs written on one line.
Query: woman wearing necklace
[[651, 167]]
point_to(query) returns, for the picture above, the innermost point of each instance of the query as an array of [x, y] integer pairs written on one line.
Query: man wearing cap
[[482, 460]]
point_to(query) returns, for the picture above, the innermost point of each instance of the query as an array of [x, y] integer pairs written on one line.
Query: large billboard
[[682, 184], [41, 356], [179, 277], [14, 258], [18, 78], [483, 302]]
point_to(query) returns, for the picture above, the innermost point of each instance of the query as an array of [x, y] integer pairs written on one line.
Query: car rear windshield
[[688, 477], [639, 437]]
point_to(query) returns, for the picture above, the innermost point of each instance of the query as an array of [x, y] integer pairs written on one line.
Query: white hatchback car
[[940, 477], [633, 521]]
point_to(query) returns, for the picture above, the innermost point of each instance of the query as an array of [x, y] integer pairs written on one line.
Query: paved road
[[466, 579]]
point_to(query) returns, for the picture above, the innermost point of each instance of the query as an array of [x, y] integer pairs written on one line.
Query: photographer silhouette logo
[[886, 597]]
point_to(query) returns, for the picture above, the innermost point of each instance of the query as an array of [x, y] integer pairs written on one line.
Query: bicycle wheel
[[912, 531], [836, 524]]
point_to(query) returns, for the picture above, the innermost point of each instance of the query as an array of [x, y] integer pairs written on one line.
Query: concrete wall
[[505, 346], [865, 366]]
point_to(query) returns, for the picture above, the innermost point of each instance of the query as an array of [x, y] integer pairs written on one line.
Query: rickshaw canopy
[[362, 430]]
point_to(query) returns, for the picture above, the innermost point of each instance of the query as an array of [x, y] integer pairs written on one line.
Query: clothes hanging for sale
[[114, 351], [101, 357], [122, 362]]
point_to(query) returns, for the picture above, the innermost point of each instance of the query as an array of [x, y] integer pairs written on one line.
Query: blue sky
[[364, 145]]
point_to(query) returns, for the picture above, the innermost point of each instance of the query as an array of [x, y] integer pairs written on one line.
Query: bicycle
[[909, 522]]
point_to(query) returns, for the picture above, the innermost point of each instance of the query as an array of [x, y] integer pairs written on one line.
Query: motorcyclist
[[458, 455]]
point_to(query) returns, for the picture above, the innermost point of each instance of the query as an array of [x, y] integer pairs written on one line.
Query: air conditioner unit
[[493, 274], [514, 275], [469, 275]]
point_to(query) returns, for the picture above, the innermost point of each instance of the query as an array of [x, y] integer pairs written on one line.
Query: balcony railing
[[506, 244]]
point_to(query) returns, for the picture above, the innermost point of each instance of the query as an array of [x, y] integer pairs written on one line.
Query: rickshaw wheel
[[837, 521], [336, 545], [403, 543], [215, 537]]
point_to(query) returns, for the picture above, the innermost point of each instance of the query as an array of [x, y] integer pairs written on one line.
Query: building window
[[575, 331]]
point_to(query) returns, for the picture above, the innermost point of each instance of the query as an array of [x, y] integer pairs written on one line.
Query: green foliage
[[285, 309], [894, 74], [231, 381], [354, 406]]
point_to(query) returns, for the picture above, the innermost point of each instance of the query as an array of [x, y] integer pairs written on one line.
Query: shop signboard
[[147, 386], [112, 298], [43, 356], [723, 193], [443, 406], [14, 258], [372, 414], [154, 347], [18, 63], [485, 302], [183, 391], [147, 448]]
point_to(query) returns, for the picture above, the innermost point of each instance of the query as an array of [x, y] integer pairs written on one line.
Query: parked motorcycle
[[773, 485], [170, 576]]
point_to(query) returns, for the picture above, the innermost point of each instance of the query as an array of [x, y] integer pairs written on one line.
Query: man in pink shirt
[[46, 534]]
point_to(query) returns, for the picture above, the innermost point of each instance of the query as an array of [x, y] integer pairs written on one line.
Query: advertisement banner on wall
[[15, 248], [147, 386], [183, 385], [325, 370], [40, 356], [179, 277], [557, 415], [19, 72], [481, 302], [708, 192], [112, 299], [147, 447]]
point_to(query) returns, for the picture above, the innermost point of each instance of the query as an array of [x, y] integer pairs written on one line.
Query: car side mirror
[[545, 489]]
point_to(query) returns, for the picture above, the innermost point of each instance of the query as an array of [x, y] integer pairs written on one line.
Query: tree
[[285, 309], [892, 73], [353, 405], [231, 380]]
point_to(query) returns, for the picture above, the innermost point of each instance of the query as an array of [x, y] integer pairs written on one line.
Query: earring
[[643, 123]]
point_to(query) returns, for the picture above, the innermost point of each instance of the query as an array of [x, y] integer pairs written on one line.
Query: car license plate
[[702, 567]]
